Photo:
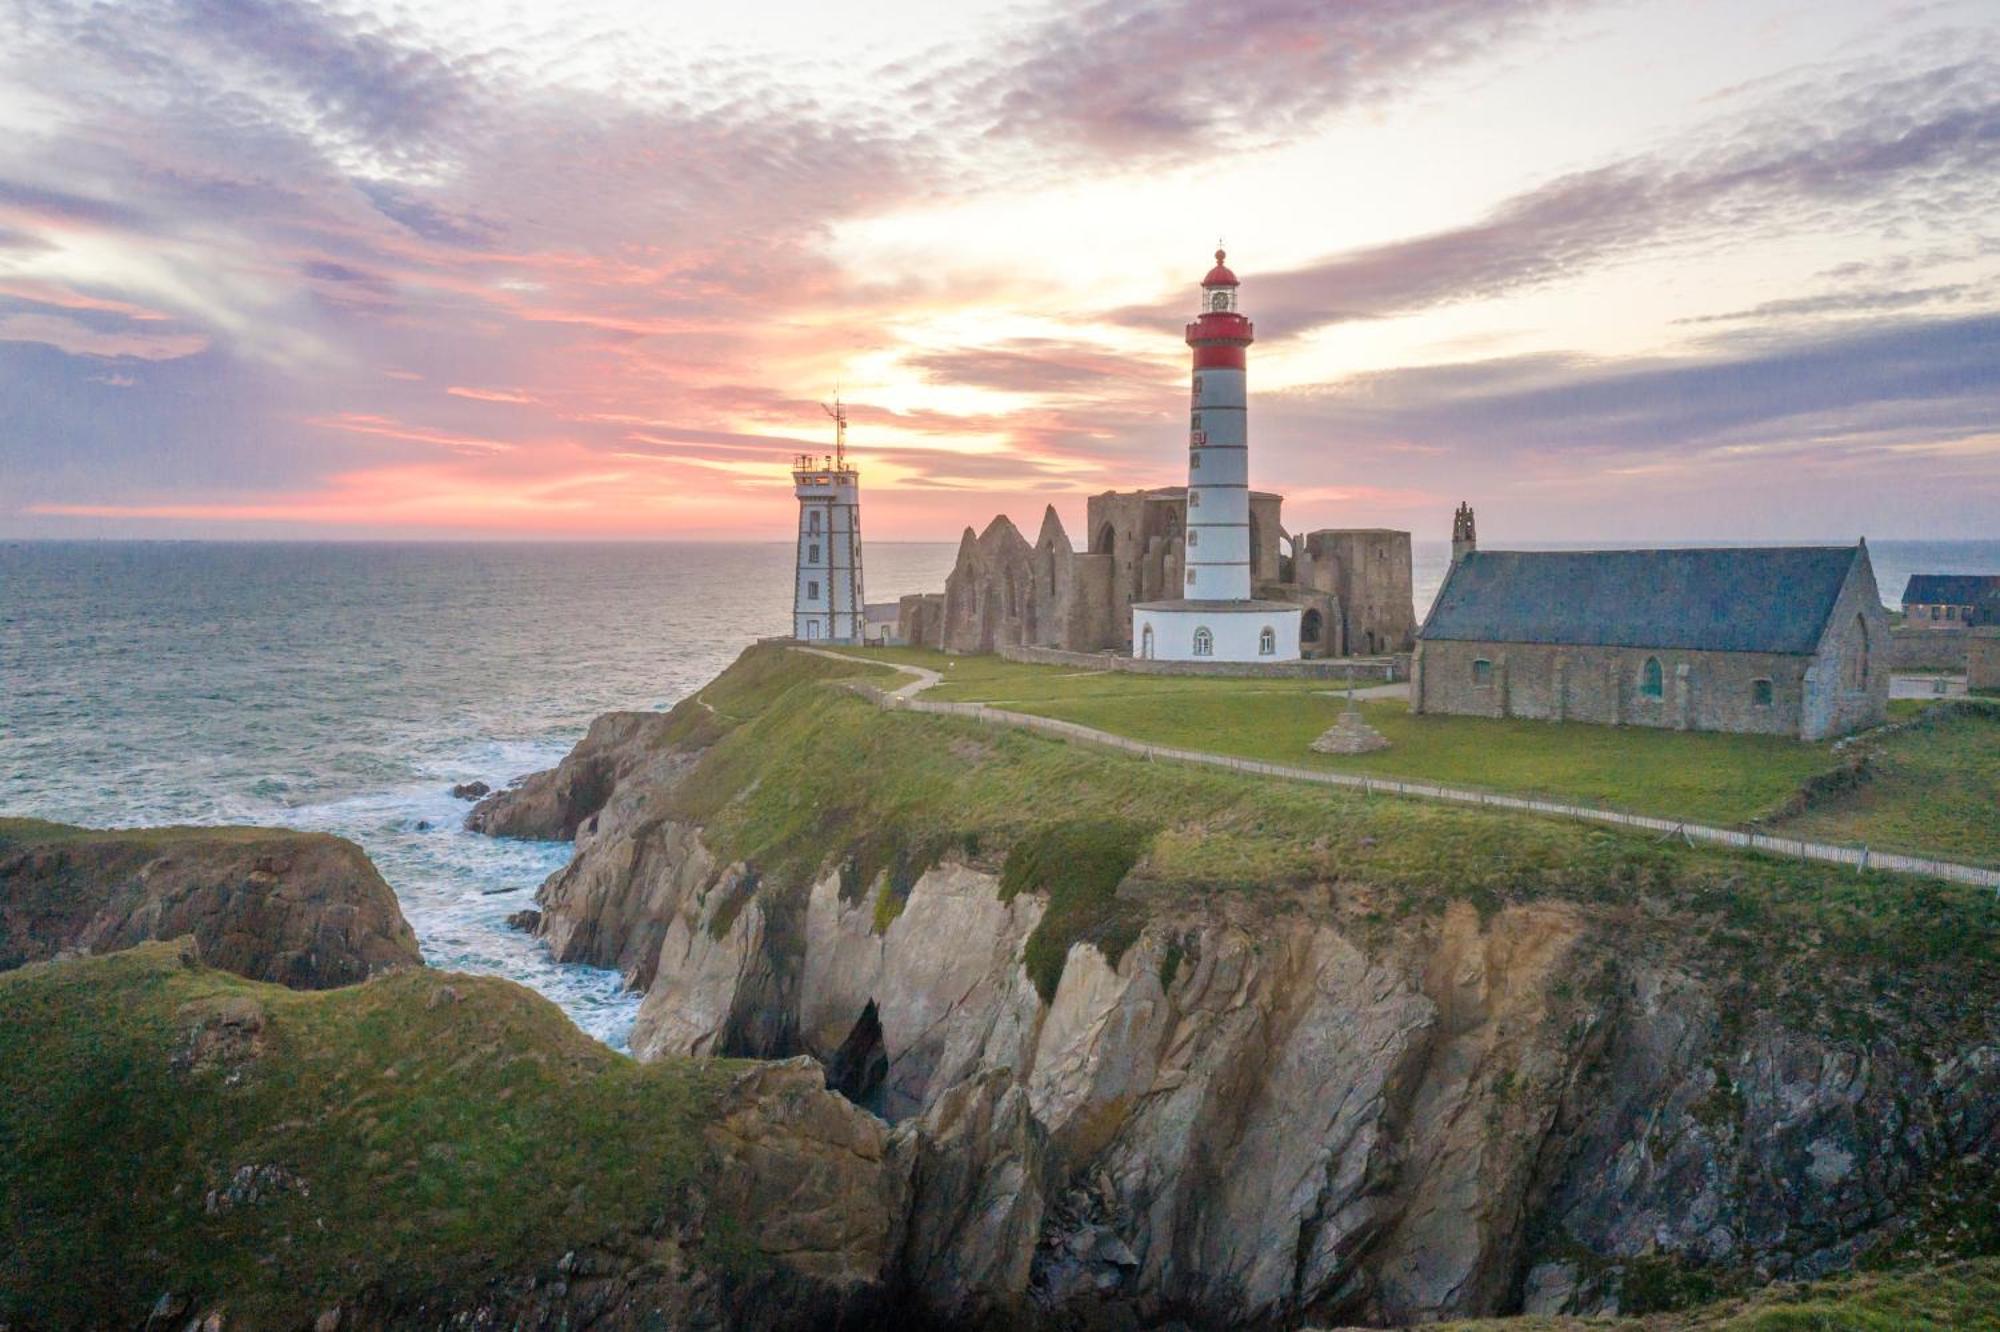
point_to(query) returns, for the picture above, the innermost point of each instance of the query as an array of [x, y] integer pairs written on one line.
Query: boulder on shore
[[471, 791], [306, 910]]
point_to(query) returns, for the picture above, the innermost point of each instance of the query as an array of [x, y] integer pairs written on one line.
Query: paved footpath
[[905, 699]]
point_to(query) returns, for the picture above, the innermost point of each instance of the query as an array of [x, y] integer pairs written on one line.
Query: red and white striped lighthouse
[[1217, 615], [1218, 503]]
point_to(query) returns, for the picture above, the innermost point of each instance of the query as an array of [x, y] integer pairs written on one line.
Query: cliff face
[[1291, 1100], [301, 909]]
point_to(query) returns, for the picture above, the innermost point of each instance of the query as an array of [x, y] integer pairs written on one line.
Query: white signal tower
[[826, 588]]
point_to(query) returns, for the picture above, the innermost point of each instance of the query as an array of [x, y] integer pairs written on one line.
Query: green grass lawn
[[1936, 788], [1701, 777]]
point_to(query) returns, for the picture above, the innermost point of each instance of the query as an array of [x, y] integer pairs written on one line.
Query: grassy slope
[[1964, 1297], [821, 771], [1937, 787], [440, 1143], [1941, 796]]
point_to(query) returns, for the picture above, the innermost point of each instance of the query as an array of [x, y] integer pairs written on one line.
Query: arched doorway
[[1106, 540], [1312, 626], [1146, 643]]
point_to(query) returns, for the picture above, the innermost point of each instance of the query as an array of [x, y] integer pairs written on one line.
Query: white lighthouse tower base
[[1216, 630]]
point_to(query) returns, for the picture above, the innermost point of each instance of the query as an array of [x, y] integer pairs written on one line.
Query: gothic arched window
[[1652, 680], [1204, 642]]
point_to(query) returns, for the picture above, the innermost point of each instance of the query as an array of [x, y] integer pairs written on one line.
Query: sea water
[[346, 687]]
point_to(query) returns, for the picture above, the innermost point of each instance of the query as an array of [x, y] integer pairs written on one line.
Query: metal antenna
[[839, 415]]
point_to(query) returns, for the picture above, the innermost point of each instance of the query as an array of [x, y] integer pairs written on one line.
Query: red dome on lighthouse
[[1220, 276]]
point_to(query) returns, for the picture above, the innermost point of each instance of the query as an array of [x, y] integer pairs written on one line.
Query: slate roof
[[1754, 599], [1952, 590]]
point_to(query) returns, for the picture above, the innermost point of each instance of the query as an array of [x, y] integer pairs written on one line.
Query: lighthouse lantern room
[[826, 587]]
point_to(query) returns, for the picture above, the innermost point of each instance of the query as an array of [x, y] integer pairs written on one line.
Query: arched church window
[[1311, 626], [1267, 642], [1146, 642], [1652, 680], [1854, 666], [1204, 642]]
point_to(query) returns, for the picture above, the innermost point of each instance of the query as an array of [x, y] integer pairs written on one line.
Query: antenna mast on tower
[[839, 415]]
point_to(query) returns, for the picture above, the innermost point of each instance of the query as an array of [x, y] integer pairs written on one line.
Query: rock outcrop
[[1285, 1104], [421, 1151], [305, 910], [552, 805]]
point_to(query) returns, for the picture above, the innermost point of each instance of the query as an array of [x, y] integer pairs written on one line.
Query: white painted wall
[[827, 585], [1236, 631]]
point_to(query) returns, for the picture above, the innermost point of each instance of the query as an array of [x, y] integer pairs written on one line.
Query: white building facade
[[827, 597], [1217, 617]]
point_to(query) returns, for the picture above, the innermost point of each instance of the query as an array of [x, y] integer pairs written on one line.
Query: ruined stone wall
[[1004, 592], [922, 618], [1701, 691], [1320, 613], [1982, 663], [1368, 569], [1387, 668], [1927, 649]]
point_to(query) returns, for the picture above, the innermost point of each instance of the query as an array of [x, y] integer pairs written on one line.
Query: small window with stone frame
[[1761, 693], [1482, 673]]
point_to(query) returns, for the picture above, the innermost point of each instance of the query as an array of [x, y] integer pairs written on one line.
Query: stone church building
[[1771, 640], [1004, 591]]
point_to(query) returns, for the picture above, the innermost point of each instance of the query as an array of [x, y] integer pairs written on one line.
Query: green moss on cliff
[[172, 1128], [1077, 865]]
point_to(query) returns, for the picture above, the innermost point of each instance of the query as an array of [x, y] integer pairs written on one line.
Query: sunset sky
[[586, 269]]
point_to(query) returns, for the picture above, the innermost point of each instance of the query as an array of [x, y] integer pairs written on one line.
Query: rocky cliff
[[301, 909], [1306, 1056]]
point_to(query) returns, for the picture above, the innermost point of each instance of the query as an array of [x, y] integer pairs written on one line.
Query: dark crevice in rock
[[860, 1067]]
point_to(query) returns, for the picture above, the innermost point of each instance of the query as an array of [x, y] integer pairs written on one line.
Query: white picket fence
[[1861, 858]]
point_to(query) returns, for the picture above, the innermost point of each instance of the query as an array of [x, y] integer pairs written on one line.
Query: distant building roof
[[1952, 590], [1755, 599]]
